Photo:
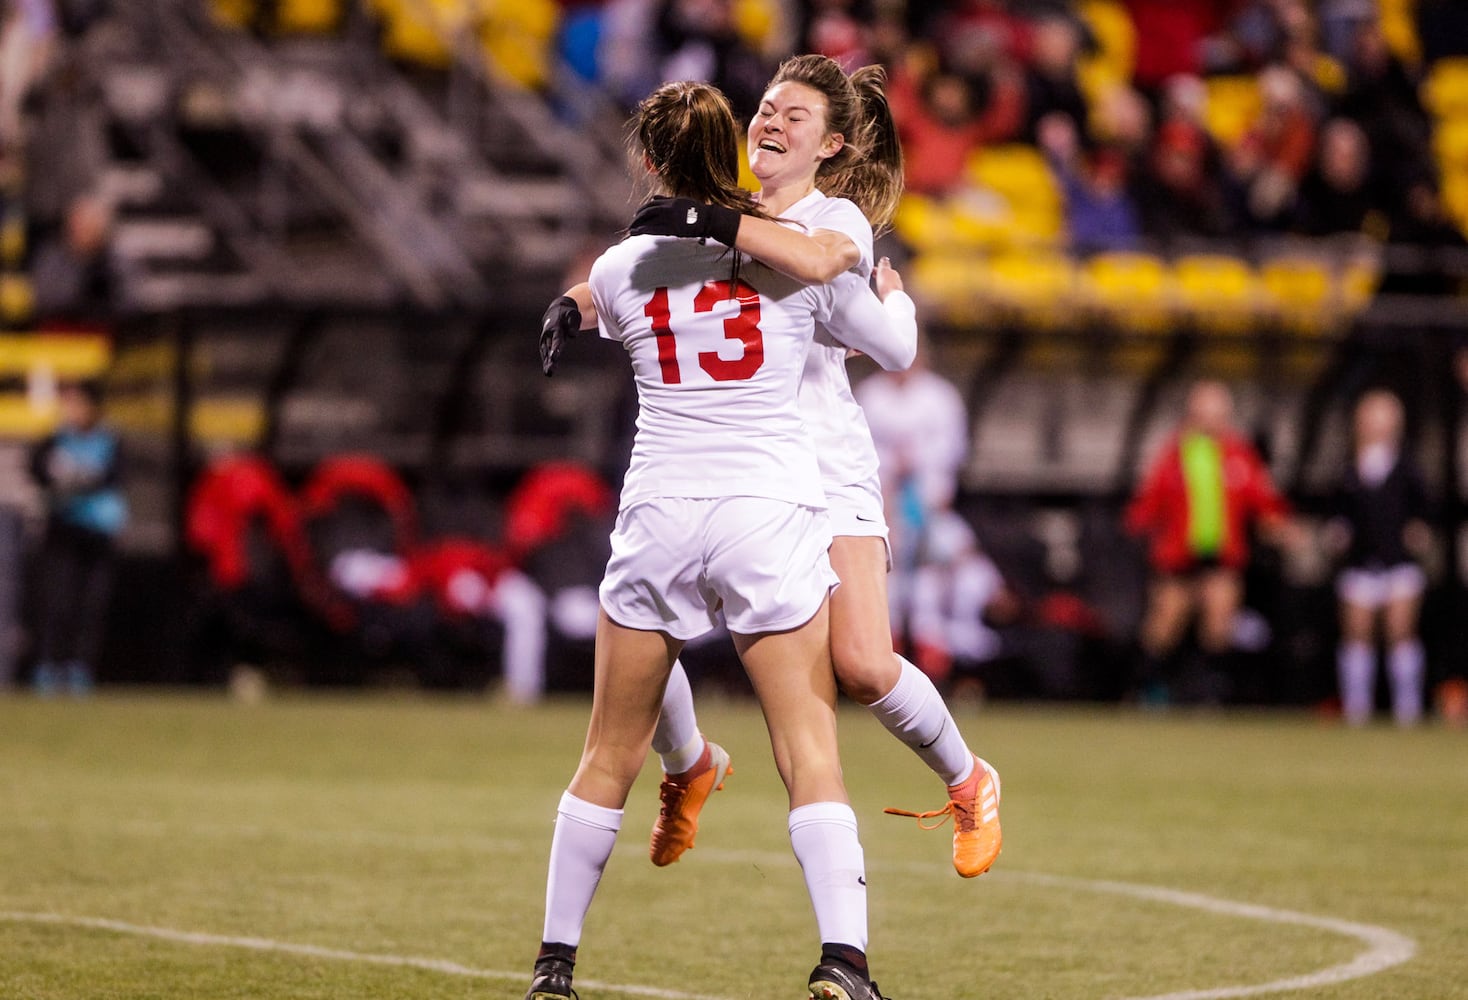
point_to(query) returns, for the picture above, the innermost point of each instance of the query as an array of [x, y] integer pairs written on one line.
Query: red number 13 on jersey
[[743, 327]]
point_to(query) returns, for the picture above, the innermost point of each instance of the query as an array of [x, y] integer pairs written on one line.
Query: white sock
[[676, 740], [824, 837], [583, 841], [1407, 664], [1356, 668], [915, 713]]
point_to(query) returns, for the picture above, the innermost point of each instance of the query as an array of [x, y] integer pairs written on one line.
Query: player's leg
[[1220, 592], [1406, 661], [1220, 595], [1356, 652], [693, 768], [769, 565], [792, 677], [906, 701], [1164, 623], [631, 668]]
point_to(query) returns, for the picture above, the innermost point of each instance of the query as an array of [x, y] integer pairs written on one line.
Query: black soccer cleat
[[552, 981], [835, 980]]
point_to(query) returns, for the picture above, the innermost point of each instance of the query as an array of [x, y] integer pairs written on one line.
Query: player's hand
[[664, 216], [887, 278], [560, 324]]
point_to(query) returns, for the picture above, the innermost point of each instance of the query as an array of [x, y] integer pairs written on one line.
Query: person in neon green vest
[[1203, 493]]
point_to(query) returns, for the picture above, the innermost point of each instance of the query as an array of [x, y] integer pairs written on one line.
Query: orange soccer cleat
[[974, 806], [683, 796]]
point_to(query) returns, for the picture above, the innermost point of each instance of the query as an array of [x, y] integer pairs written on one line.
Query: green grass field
[[172, 847]]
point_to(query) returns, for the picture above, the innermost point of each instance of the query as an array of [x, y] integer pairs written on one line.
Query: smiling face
[[787, 136]]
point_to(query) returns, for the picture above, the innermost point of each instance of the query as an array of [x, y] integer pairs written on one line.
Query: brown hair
[[689, 135], [867, 170]]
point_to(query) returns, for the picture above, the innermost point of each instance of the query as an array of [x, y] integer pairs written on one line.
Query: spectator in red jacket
[[1202, 494], [1275, 152], [941, 120]]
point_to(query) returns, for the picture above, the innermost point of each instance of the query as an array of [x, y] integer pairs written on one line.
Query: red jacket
[[223, 500], [1160, 508]]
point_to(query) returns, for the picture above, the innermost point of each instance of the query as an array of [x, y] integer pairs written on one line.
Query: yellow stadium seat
[[1445, 91], [1329, 75], [1358, 282], [1455, 198], [948, 283], [1220, 293], [308, 16], [1115, 34], [1036, 288], [925, 223], [17, 299], [1302, 292], [1116, 38], [416, 31], [1016, 172], [238, 421], [290, 16], [1399, 28], [1038, 226], [65, 356], [516, 37], [236, 13], [1450, 143], [1013, 201], [1233, 103], [1132, 291], [756, 21], [21, 418], [981, 219]]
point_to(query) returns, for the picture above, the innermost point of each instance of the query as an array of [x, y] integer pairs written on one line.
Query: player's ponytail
[[688, 134], [875, 181]]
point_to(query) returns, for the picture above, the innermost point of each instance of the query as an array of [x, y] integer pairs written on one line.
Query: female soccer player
[[722, 505], [825, 151], [1380, 530]]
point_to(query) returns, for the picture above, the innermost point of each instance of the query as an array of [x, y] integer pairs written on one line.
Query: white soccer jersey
[[718, 366], [836, 423]]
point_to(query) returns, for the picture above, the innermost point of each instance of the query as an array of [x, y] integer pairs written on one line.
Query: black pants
[[77, 567]]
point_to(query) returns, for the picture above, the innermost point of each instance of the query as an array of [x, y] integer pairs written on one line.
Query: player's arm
[[580, 293], [882, 325], [572, 312], [810, 259]]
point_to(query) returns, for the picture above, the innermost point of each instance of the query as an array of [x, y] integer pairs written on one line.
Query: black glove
[[663, 216], [561, 322]]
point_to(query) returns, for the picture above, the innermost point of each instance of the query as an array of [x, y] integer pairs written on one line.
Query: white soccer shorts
[[676, 562], [856, 509], [1375, 588]]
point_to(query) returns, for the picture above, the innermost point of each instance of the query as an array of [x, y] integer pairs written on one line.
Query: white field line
[[316, 951], [1385, 948]]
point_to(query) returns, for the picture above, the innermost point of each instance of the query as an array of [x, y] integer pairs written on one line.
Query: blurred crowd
[[1161, 120], [56, 215], [1153, 124]]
